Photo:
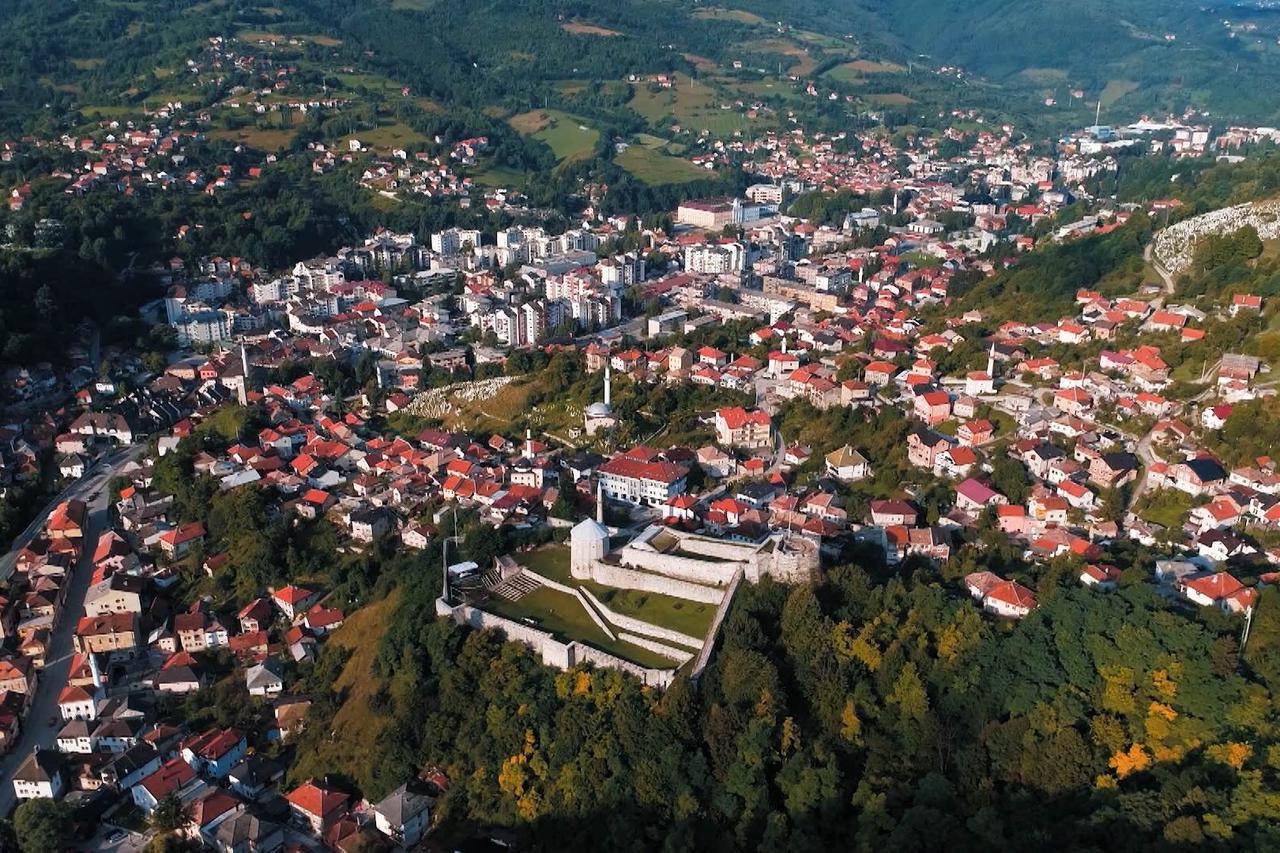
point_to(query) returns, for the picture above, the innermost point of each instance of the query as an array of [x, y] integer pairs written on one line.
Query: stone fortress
[[687, 565]]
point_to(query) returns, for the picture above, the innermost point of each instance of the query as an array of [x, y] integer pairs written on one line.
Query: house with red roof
[[316, 808], [174, 778], [179, 541], [1245, 302], [956, 461], [975, 496], [999, 596], [933, 407], [255, 616], [1219, 589], [737, 427], [215, 752], [321, 620], [293, 600]]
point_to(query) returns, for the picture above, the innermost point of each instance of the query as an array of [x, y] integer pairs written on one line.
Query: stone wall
[[552, 651], [679, 656], [577, 593], [639, 626], [624, 578], [722, 549], [684, 568], [709, 644], [651, 677]]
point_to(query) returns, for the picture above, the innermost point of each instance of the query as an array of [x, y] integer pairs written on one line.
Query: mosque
[[599, 415]]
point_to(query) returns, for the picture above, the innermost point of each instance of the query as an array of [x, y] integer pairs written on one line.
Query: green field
[[742, 17], [499, 176], [1117, 89], [387, 137], [569, 137], [1165, 507], [563, 616], [653, 167], [665, 611], [694, 105], [261, 138]]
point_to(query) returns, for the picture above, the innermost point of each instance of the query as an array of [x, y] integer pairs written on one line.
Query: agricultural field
[[568, 136], [654, 167], [1117, 89], [798, 60], [739, 15], [582, 28], [892, 99], [388, 137], [854, 72], [261, 138], [693, 104]]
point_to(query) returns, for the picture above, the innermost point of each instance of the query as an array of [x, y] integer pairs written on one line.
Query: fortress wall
[[680, 656], [552, 651], [651, 677], [684, 568], [625, 578], [639, 626]]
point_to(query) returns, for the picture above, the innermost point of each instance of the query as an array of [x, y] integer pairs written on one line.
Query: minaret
[[528, 442], [991, 362], [608, 383], [599, 502], [97, 674], [444, 568], [784, 344]]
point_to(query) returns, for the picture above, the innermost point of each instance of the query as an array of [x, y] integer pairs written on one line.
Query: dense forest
[[873, 711]]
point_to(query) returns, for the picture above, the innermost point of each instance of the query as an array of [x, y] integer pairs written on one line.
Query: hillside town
[[342, 398]]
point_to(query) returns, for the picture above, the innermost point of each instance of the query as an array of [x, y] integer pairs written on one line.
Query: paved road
[[37, 730], [109, 464], [1166, 277]]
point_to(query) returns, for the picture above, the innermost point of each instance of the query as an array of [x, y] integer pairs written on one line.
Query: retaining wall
[[639, 626], [683, 568], [625, 578]]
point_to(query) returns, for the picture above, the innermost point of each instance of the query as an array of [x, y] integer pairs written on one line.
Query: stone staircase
[[517, 586]]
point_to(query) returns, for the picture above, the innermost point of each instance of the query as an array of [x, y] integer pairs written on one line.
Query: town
[[391, 389]]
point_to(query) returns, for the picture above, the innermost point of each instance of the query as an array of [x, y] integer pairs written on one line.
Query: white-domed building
[[588, 542]]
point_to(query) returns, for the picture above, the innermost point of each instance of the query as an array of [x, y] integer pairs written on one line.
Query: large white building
[[715, 259], [641, 480]]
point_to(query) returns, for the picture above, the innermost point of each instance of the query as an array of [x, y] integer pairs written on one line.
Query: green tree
[[42, 825]]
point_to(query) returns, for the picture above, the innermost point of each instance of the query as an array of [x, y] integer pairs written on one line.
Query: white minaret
[[784, 344], [528, 442], [599, 502], [991, 362], [608, 383], [97, 674]]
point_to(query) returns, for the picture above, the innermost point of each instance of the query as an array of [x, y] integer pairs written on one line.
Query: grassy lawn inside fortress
[[665, 611]]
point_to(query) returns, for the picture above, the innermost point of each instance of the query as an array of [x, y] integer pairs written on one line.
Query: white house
[[403, 816], [264, 679], [41, 775]]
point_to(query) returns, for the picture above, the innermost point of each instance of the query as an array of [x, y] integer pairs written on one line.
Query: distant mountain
[[1157, 55]]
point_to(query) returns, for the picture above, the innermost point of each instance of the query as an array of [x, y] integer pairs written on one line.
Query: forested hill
[[1150, 56], [1159, 55]]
